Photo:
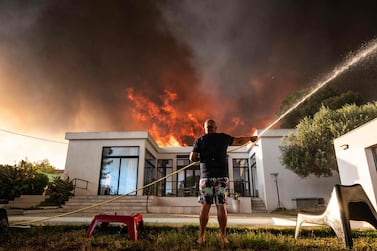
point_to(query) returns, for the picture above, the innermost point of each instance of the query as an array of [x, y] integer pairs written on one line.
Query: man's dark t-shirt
[[212, 148]]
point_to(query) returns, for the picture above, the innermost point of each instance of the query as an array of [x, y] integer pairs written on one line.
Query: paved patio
[[262, 220]]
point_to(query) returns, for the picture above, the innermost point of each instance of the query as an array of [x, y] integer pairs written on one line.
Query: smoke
[[252, 54], [71, 65]]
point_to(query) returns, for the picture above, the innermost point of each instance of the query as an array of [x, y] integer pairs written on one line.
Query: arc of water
[[363, 53]]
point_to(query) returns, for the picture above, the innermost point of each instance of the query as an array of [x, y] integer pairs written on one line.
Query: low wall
[[190, 205]]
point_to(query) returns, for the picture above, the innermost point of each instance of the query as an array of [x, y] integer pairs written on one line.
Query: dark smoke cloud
[[67, 65], [254, 53], [71, 62]]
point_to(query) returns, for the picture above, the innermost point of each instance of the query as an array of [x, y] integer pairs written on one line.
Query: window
[[254, 176], [241, 177], [187, 180], [165, 187], [149, 173], [118, 173]]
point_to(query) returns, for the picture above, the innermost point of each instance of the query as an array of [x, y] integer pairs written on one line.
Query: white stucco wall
[[290, 185], [355, 160], [86, 164]]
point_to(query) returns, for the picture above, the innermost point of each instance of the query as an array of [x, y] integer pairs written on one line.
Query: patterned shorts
[[213, 190]]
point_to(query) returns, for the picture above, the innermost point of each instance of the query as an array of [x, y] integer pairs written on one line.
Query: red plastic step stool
[[131, 220]]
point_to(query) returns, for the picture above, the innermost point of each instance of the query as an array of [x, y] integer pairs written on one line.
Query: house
[[114, 163], [281, 188], [356, 154]]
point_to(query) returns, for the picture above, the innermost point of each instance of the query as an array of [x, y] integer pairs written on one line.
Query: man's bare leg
[[203, 219], [222, 217]]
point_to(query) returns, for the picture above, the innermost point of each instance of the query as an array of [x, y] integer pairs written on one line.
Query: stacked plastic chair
[[346, 203]]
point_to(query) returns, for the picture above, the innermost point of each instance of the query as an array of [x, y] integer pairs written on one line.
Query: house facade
[[115, 163], [356, 154]]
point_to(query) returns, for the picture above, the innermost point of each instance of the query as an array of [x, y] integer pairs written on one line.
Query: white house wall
[[355, 160], [86, 164], [290, 185], [260, 172], [80, 165]]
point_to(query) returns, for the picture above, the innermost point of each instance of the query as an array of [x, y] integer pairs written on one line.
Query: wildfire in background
[[169, 126], [166, 66]]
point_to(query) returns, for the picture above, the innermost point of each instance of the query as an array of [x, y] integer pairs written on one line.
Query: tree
[[44, 166], [326, 96], [311, 151], [23, 178], [8, 181]]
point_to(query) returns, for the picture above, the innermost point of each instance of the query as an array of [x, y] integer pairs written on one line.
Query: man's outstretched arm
[[194, 156], [239, 141]]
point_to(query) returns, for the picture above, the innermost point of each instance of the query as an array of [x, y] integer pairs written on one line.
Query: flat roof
[[107, 135]]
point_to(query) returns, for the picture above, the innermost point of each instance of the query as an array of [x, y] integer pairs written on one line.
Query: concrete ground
[[171, 219], [49, 217]]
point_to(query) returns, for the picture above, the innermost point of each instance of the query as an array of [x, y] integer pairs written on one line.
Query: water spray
[[363, 53]]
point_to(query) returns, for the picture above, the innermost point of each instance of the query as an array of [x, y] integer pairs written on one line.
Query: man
[[211, 150]]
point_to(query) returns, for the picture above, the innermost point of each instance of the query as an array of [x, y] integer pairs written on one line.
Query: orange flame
[[168, 126], [252, 131], [168, 123]]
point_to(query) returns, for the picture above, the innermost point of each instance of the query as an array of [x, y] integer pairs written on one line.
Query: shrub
[[35, 185], [23, 178], [59, 191]]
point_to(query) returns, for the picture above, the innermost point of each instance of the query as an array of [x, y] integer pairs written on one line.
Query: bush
[[59, 191], [23, 178], [35, 185]]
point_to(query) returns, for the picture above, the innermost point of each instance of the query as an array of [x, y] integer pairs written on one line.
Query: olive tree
[[311, 150], [326, 96]]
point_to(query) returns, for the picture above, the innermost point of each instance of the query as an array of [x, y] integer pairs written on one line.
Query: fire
[[167, 125], [237, 121], [252, 131]]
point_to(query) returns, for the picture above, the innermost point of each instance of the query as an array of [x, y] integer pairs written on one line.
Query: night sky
[[166, 66]]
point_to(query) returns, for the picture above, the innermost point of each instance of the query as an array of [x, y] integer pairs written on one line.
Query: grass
[[157, 237]]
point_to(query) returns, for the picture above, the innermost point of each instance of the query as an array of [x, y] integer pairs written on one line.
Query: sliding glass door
[[119, 170]]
